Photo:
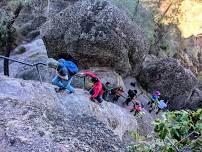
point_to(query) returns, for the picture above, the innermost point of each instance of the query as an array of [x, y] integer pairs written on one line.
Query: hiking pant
[[63, 84], [127, 101], [106, 95], [116, 98], [158, 110], [136, 112], [98, 98]]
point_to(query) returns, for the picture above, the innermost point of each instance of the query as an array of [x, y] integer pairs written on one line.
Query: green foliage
[[14, 3], [137, 136], [6, 19], [178, 131], [140, 15], [21, 50]]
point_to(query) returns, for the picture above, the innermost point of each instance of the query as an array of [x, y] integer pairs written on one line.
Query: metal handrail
[[37, 68], [28, 64]]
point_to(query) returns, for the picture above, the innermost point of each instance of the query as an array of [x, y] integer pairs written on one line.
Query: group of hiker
[[65, 70]]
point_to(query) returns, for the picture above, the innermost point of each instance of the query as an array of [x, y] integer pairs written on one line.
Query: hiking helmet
[[157, 93], [94, 80]]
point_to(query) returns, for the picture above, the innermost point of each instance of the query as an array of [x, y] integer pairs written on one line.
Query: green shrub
[[178, 131], [21, 50], [144, 18]]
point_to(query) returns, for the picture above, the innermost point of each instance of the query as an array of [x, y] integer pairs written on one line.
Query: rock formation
[[169, 77], [34, 52], [34, 117], [31, 17], [96, 33]]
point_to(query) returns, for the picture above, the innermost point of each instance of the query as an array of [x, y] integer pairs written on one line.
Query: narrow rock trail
[[144, 122]]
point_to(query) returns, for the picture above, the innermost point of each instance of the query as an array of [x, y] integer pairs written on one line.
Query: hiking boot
[[59, 89]]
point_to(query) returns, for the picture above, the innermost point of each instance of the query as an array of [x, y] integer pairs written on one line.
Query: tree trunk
[[9, 43], [8, 49], [136, 7]]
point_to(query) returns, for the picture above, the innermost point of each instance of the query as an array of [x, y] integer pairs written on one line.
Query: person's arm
[[90, 74], [64, 78]]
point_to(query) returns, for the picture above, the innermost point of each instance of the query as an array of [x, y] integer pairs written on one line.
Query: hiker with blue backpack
[[65, 70], [161, 106]]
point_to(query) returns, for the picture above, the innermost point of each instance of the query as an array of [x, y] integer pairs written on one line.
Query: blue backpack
[[71, 66]]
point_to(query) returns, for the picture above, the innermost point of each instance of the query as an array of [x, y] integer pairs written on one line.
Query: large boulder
[[36, 118], [96, 33], [171, 78], [31, 17], [55, 6], [34, 52], [195, 101]]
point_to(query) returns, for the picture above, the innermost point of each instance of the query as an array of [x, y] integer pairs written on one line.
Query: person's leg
[[131, 110], [115, 98], [57, 81], [135, 112], [158, 110], [127, 101], [67, 84], [105, 94], [99, 99]]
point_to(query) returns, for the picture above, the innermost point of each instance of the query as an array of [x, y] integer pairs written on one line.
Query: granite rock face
[[31, 18], [195, 101], [96, 33], [55, 6], [36, 118], [34, 52], [169, 77]]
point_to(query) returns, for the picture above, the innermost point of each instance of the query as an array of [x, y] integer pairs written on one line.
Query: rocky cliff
[[34, 117]]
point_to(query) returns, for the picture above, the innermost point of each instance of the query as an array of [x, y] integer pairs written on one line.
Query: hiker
[[131, 95], [154, 98], [117, 92], [97, 90], [161, 105], [107, 90], [136, 107], [65, 70]]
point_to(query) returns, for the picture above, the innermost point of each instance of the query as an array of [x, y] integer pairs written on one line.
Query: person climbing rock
[[136, 107], [131, 95], [155, 96], [117, 93], [154, 100], [107, 90], [97, 89], [161, 106], [65, 70]]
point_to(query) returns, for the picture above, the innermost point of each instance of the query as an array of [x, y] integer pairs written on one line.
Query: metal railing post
[[84, 83], [40, 78], [28, 64]]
